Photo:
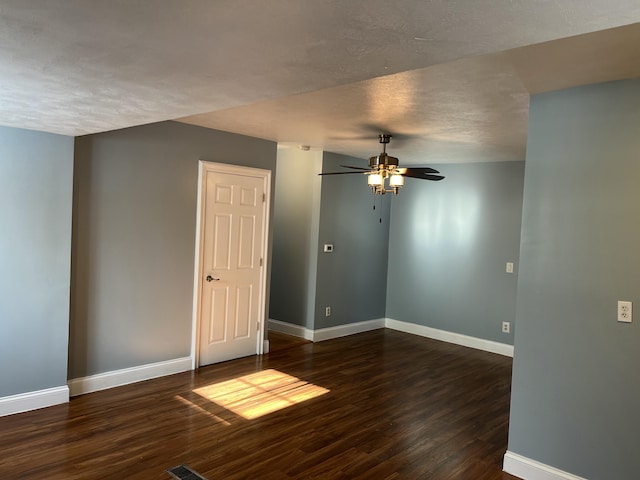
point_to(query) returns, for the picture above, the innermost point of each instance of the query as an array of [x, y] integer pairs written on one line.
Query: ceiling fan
[[383, 166]]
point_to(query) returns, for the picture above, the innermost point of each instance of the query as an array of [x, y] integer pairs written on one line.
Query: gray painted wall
[[449, 244], [351, 280], [36, 171], [134, 240], [576, 387], [295, 236]]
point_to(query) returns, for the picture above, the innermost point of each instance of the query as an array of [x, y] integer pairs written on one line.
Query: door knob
[[211, 279]]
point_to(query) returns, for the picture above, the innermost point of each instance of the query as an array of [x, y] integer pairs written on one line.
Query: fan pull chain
[[374, 206]]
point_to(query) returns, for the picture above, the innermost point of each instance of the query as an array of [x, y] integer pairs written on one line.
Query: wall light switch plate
[[509, 267], [328, 247]]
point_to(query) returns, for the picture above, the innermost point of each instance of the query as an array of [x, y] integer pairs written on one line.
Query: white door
[[233, 226]]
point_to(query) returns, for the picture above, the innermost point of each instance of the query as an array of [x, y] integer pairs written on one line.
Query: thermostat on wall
[[328, 247]]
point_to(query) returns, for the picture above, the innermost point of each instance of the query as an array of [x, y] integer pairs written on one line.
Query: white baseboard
[[352, 328], [348, 329], [290, 329], [117, 378], [451, 337], [24, 402], [325, 333], [528, 469]]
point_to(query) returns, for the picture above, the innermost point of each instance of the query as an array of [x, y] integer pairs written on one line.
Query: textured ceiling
[[450, 78], [469, 110]]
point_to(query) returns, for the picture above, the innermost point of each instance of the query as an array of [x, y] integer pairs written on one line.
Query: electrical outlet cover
[[625, 311]]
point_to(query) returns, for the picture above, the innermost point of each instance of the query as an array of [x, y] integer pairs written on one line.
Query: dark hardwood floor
[[280, 341], [390, 406]]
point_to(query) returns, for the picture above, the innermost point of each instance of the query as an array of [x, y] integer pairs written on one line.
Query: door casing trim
[[203, 167]]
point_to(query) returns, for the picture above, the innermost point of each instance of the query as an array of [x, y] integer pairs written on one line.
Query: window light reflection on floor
[[260, 393]]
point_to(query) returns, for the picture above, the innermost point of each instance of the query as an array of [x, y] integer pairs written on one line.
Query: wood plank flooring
[[280, 341], [398, 406]]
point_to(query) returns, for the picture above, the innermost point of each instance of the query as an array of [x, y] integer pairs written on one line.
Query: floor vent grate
[[182, 472]]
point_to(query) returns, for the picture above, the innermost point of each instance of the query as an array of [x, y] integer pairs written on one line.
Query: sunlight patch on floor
[[260, 393]]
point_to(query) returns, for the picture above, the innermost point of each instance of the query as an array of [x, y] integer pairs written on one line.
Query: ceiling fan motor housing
[[383, 160]]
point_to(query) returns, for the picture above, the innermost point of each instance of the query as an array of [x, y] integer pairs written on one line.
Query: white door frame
[[204, 166]]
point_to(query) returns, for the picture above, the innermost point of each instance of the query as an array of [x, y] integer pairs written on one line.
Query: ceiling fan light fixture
[[374, 180], [396, 180]]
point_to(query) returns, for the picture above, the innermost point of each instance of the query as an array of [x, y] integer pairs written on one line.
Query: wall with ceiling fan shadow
[[449, 245]]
